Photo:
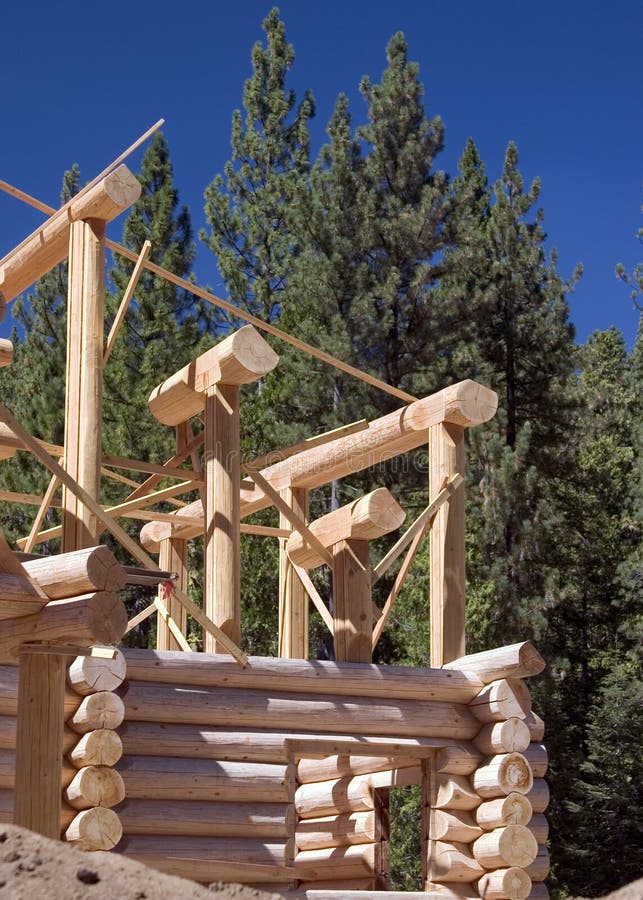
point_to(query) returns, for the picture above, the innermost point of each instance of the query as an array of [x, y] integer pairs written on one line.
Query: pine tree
[[247, 207]]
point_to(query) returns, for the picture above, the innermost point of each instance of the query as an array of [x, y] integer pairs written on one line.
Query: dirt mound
[[34, 868]]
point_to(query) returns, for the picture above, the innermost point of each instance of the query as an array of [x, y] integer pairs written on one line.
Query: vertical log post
[[293, 599], [84, 378], [352, 601], [39, 743], [447, 551]]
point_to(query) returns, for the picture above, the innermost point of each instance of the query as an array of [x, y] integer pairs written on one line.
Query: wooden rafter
[[125, 302]]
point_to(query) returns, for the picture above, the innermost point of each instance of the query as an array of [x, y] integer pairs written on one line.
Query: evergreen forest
[[369, 250]]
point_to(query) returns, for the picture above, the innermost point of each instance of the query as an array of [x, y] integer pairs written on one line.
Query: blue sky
[[80, 81]]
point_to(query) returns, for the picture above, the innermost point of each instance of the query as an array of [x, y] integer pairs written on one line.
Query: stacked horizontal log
[[96, 786], [487, 826]]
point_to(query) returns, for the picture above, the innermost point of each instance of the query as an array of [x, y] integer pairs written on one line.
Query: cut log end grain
[[505, 884], [101, 710], [510, 736], [513, 845], [102, 747], [95, 786], [89, 674], [503, 774], [94, 829], [514, 809]]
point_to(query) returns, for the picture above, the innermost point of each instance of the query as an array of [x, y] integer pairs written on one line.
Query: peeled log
[[94, 829], [49, 244], [209, 859], [241, 358], [9, 693], [515, 661], [98, 618], [95, 786], [216, 819], [509, 736], [505, 884], [101, 710], [252, 709], [457, 759], [513, 845], [538, 796], [18, 597], [370, 517], [333, 767], [539, 827], [514, 809], [89, 674], [341, 862], [8, 771], [536, 756], [453, 862], [539, 868], [535, 725], [337, 831], [455, 792], [199, 742], [503, 774], [452, 826], [301, 676], [6, 348], [331, 798], [501, 700], [466, 403], [79, 572], [148, 777], [102, 747]]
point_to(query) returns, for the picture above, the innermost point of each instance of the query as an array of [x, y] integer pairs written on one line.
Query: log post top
[[241, 358], [365, 519]]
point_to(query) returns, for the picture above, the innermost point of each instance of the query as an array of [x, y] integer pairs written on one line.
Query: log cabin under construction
[[217, 766]]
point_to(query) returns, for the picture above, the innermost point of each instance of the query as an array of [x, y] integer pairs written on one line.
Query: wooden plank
[[119, 318], [25, 499], [447, 550], [172, 626], [313, 593], [39, 743], [317, 440]]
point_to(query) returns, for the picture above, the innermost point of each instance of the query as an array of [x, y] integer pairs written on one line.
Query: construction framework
[[214, 765]]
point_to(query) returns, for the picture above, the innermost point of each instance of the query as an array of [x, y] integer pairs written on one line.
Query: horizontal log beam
[[49, 244], [79, 572], [520, 660], [206, 818]]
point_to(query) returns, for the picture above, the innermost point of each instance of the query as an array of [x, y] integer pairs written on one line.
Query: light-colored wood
[[302, 676], [509, 736], [6, 352], [353, 861], [182, 453], [251, 709], [513, 845], [18, 597], [316, 440], [293, 598], [144, 614], [84, 379], [241, 358], [419, 526], [537, 757], [39, 741], [504, 699], [47, 502], [330, 798], [352, 601], [102, 747], [49, 244], [79, 572], [505, 884], [539, 827], [210, 859], [514, 809], [455, 792], [9, 692], [95, 786], [24, 499], [333, 767], [457, 759], [370, 517], [98, 618], [447, 553], [213, 818], [453, 862], [88, 674], [175, 631], [502, 775], [312, 592], [305, 746], [520, 660], [453, 826], [173, 556], [161, 778], [539, 868], [221, 553], [101, 710], [201, 742], [98, 828], [337, 831], [535, 725], [121, 536], [538, 796], [405, 429], [119, 318]]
